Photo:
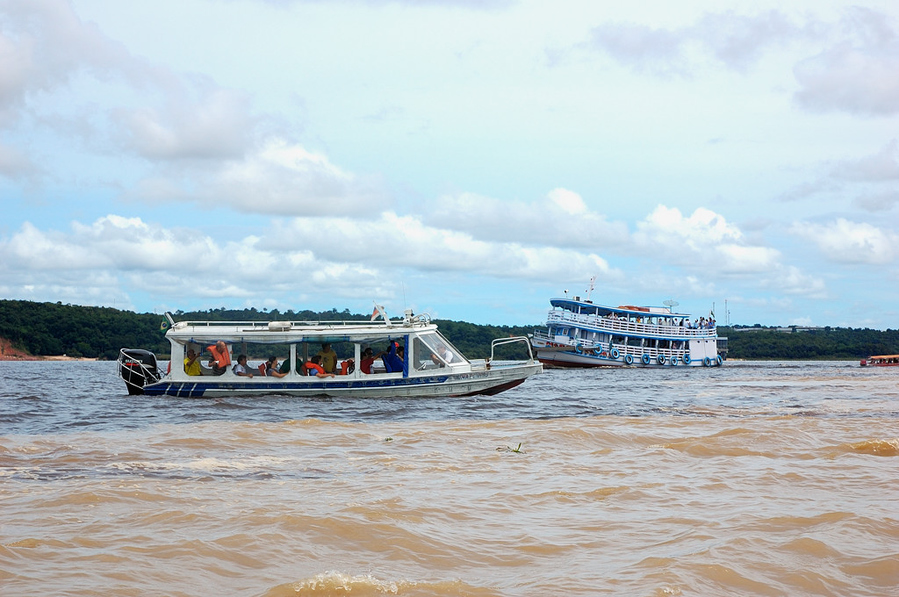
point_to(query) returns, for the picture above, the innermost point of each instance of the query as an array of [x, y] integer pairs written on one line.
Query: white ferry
[[580, 333], [430, 366]]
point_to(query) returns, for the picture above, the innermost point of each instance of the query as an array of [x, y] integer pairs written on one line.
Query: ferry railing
[[636, 352], [627, 327]]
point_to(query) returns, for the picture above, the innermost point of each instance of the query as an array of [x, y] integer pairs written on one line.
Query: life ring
[[706, 361], [661, 359], [674, 361], [628, 359], [614, 353], [645, 358], [687, 358], [577, 348], [718, 360]]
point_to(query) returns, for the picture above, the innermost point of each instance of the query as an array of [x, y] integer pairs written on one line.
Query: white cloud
[[277, 178], [874, 176], [850, 65], [733, 40], [286, 179], [881, 166], [217, 124], [703, 242], [109, 242], [173, 262], [43, 45], [560, 219], [407, 242], [844, 241], [641, 47], [856, 74], [14, 164], [878, 201], [49, 55], [792, 281]]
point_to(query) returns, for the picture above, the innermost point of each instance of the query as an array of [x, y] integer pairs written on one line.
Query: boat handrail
[[266, 325], [511, 340], [620, 325]]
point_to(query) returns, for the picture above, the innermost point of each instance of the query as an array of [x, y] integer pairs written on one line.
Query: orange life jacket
[[221, 360], [313, 368]]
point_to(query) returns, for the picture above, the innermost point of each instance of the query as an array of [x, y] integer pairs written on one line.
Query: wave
[[342, 584], [872, 447]]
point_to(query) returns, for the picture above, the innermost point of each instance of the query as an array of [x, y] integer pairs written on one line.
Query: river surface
[[748, 479]]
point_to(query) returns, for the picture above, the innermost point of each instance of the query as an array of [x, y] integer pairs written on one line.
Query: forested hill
[[49, 329], [808, 344]]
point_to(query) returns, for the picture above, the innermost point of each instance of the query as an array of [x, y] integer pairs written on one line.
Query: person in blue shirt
[[393, 360]]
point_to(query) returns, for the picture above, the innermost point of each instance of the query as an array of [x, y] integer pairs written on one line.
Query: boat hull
[[488, 382]]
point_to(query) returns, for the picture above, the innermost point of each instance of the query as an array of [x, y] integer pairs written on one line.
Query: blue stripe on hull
[[199, 389]]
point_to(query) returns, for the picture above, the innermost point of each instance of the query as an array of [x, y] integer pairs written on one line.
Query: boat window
[[432, 351]]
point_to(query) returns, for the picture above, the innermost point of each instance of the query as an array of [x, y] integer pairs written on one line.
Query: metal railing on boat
[[626, 327]]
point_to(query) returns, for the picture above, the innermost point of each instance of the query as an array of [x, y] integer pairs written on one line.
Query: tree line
[[50, 329]]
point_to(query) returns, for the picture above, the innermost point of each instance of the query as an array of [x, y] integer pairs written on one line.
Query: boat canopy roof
[[294, 332], [590, 308], [885, 356]]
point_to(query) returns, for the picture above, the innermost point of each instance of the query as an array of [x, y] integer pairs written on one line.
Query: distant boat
[[420, 363], [883, 360], [580, 333]]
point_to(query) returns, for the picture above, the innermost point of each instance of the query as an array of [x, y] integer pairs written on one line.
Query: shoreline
[[9, 353], [6, 358]]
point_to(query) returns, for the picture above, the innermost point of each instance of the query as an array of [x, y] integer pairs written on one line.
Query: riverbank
[[9, 353]]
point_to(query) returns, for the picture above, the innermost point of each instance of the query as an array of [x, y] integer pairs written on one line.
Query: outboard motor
[[138, 368]]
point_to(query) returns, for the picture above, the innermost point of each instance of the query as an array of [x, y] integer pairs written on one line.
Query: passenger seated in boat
[[191, 364], [285, 366], [393, 360], [328, 358], [221, 358], [347, 366], [368, 358], [241, 367], [271, 368], [314, 368]]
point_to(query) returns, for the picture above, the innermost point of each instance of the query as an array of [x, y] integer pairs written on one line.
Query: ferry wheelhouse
[[431, 366], [580, 333]]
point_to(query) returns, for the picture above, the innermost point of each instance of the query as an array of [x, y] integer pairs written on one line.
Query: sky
[[469, 159]]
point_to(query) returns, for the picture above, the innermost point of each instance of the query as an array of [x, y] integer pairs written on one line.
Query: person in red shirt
[[368, 359]]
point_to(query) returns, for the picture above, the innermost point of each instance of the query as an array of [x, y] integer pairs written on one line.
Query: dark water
[[749, 479]]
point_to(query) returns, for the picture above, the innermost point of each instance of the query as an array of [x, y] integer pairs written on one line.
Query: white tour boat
[[431, 365], [580, 333]]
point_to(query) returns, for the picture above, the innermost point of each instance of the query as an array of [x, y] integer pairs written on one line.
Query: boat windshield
[[432, 350]]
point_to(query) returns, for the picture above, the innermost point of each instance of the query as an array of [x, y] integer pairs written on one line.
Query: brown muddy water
[[749, 479]]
